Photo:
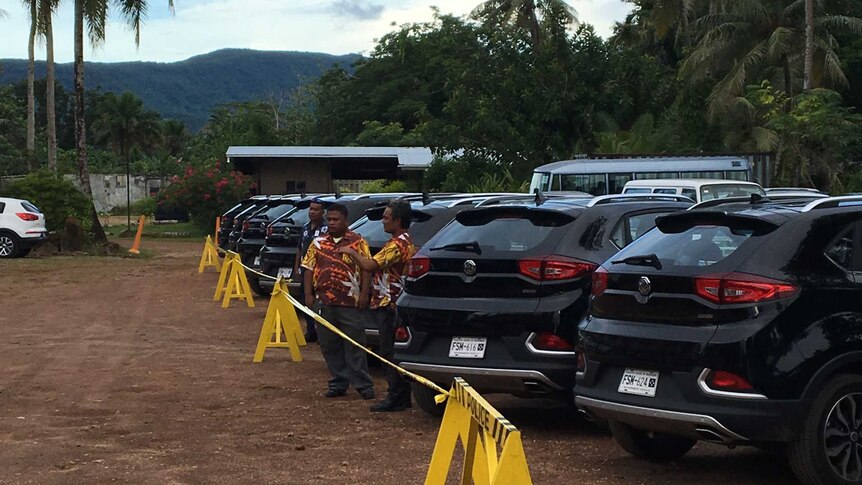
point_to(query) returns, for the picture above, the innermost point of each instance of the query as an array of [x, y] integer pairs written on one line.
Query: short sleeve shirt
[[308, 235], [389, 281], [336, 277]]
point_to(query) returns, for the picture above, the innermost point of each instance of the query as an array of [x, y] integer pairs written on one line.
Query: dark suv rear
[[254, 230], [496, 295], [737, 324], [227, 219]]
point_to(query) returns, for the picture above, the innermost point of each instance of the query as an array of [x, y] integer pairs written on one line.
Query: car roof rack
[[614, 198], [832, 202]]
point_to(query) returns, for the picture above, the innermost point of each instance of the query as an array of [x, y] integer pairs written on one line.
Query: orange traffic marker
[[136, 246]]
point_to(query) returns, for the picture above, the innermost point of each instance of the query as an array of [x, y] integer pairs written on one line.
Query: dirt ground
[[125, 370]]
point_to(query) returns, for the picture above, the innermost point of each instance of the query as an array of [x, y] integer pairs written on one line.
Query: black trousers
[[384, 320]]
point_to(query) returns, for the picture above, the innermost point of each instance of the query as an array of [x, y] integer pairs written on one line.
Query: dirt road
[[124, 370]]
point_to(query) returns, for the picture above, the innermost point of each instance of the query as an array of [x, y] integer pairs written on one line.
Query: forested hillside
[[189, 90]]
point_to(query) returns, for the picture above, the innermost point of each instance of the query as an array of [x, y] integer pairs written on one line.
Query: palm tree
[[33, 6], [525, 14], [760, 39], [124, 124], [94, 14], [809, 44], [46, 28]]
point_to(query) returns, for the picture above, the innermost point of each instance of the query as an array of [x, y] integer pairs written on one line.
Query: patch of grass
[[183, 230]]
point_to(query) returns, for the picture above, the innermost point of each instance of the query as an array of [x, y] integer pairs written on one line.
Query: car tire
[[658, 447], [10, 245], [834, 406], [423, 396], [254, 282], [24, 252]]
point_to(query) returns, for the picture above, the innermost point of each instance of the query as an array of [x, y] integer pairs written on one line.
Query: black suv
[[737, 324], [235, 232], [254, 230], [227, 219], [496, 295]]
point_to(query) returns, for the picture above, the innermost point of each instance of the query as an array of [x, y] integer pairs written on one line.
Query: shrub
[[205, 192], [384, 186], [55, 197]]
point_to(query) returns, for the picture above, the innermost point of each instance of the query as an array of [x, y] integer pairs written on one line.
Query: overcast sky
[[201, 26]]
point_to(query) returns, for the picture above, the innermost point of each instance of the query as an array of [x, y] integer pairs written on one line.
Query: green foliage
[[501, 181], [146, 206], [205, 192], [55, 197], [384, 186]]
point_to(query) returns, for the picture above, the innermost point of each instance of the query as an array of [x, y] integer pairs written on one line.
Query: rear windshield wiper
[[462, 246], [641, 260]]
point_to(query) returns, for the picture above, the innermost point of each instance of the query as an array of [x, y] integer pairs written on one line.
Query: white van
[[698, 190]]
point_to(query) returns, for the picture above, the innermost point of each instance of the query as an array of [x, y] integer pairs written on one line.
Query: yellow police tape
[[468, 417]]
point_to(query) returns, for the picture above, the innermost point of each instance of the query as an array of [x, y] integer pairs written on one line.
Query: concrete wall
[[109, 190]]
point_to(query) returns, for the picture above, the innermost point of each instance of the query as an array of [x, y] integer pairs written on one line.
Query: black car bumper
[[273, 259], [685, 406], [33, 242]]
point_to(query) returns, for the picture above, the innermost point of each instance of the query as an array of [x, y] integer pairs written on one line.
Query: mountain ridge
[[188, 90]]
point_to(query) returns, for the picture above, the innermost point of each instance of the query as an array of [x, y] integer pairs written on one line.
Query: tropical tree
[[94, 14], [751, 40], [33, 7], [124, 124], [525, 14], [46, 29]]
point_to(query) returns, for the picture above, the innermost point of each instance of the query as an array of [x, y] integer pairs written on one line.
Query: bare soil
[[125, 370]]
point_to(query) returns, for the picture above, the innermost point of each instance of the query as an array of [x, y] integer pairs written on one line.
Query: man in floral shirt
[[388, 266], [337, 288]]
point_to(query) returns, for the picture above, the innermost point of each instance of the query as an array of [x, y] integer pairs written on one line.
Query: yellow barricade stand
[[232, 282], [481, 429], [209, 258], [280, 319]]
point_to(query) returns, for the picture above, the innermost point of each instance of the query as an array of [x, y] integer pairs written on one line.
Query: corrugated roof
[[408, 157]]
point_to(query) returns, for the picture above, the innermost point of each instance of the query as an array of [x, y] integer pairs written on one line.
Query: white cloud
[[201, 26]]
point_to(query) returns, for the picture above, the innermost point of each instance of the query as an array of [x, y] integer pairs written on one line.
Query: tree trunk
[[80, 128], [809, 45], [788, 84], [31, 96], [50, 110]]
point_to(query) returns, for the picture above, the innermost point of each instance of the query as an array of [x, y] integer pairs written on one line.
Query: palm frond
[[133, 13], [780, 42], [733, 83], [765, 140], [831, 64], [96, 20], [840, 23]]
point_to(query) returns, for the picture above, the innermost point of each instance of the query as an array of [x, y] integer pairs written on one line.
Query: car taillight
[[581, 361], [245, 225], [550, 341], [418, 266], [736, 288], [269, 231], [554, 268], [26, 216], [600, 281], [728, 381], [402, 334]]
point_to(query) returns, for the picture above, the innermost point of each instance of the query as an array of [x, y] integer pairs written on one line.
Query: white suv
[[22, 227]]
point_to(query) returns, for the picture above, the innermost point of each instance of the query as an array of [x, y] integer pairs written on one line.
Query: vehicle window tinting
[[2, 207], [510, 233], [697, 246], [593, 183], [30, 207], [616, 182], [841, 249], [721, 191], [656, 175], [632, 227]]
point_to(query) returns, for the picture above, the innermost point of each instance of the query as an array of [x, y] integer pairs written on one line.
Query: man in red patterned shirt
[[338, 289], [388, 266]]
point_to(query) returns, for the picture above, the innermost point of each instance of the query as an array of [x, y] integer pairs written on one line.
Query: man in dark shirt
[[338, 289], [315, 227]]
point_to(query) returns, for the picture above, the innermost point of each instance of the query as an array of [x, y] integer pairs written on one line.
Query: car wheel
[[254, 282], [658, 447], [23, 252], [9, 245], [423, 396], [828, 447]]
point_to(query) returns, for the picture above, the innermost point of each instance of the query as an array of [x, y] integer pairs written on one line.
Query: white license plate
[[639, 382], [285, 272], [468, 347], [257, 261]]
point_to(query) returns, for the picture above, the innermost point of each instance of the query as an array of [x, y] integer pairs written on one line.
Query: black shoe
[[335, 392], [367, 394], [389, 405], [310, 338]]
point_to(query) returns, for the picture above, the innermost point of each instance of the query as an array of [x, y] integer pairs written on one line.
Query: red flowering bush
[[205, 192]]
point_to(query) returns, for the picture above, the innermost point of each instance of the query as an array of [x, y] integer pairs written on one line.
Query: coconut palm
[[46, 30], [525, 14], [749, 40], [33, 8], [94, 14], [809, 45]]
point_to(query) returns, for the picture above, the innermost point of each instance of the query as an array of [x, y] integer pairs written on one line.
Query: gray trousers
[[384, 320], [347, 364]]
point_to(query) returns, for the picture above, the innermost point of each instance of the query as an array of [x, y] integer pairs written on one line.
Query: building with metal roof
[[293, 169]]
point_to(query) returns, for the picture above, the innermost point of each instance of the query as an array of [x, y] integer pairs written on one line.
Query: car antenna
[[540, 197]]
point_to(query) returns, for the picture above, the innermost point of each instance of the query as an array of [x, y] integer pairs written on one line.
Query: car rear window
[[721, 191], [697, 246], [506, 231], [30, 207], [276, 212], [2, 207], [372, 230]]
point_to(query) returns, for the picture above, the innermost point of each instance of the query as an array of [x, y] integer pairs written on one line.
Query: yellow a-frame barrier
[[480, 428], [280, 319], [209, 258]]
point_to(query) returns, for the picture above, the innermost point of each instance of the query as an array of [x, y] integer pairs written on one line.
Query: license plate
[[468, 347], [639, 382], [257, 261], [285, 272]]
